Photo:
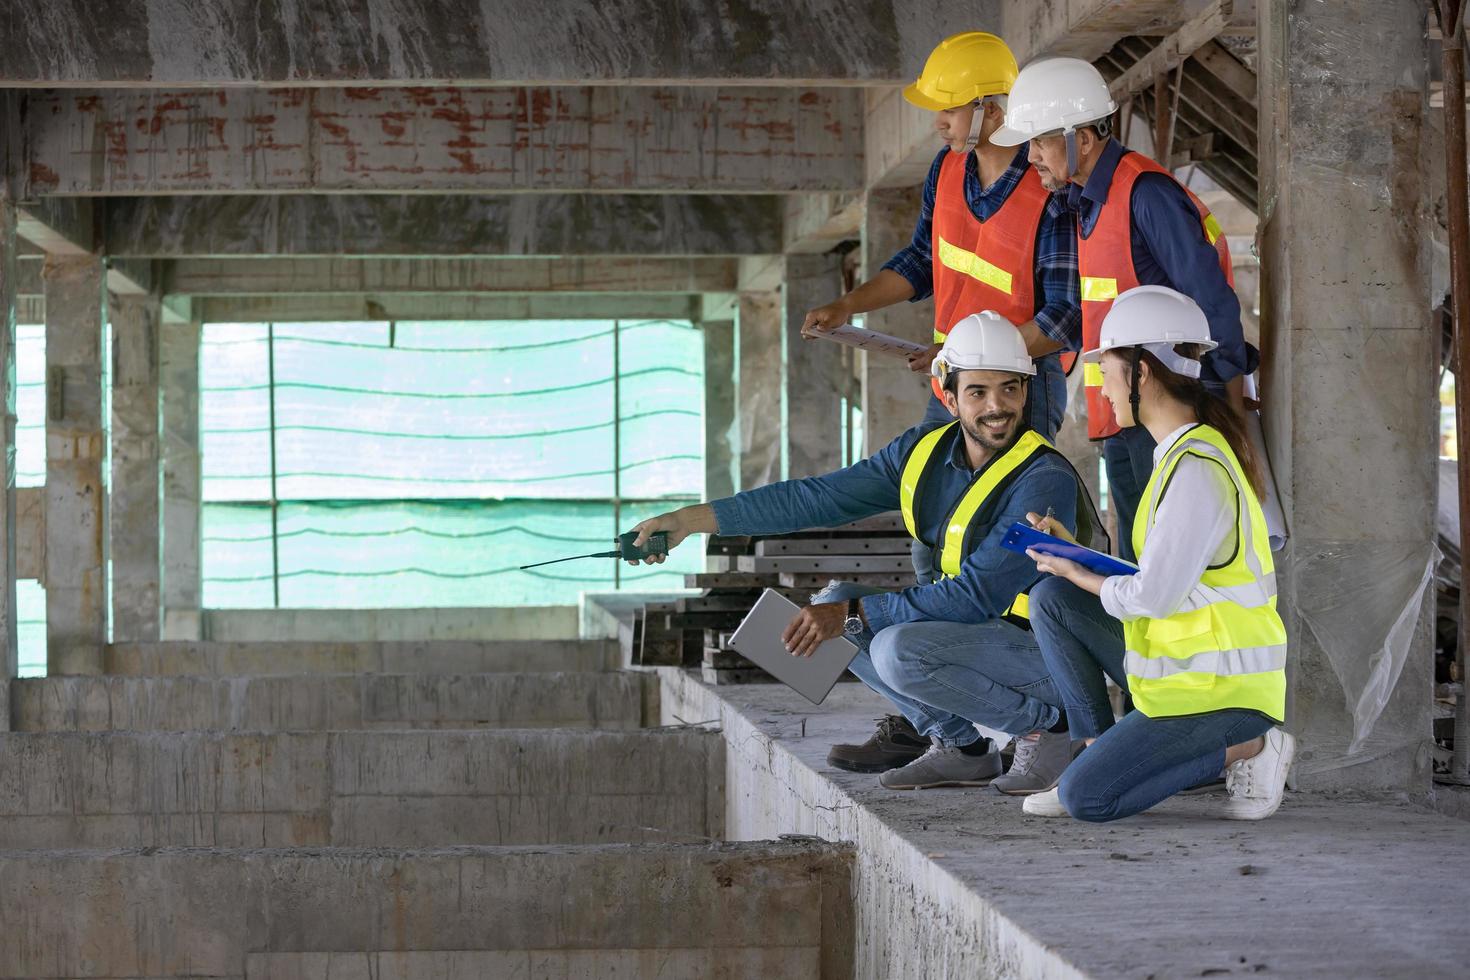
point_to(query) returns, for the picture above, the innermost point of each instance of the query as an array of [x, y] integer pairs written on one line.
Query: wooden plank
[[832, 546], [829, 564]]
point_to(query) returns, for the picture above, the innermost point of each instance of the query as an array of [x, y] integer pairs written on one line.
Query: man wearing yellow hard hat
[[989, 236]]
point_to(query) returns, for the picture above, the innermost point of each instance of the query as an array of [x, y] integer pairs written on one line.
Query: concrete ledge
[[728, 910], [404, 789], [960, 883], [328, 702], [359, 625], [219, 659]]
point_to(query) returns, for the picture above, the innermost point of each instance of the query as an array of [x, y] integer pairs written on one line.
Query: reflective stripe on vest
[[983, 265], [972, 265], [1105, 266], [1226, 646], [924, 456]]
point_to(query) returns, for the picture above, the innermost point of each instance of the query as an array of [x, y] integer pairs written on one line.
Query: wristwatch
[[853, 625]]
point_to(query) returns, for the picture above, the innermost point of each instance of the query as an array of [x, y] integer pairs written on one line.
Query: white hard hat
[[1155, 318], [1053, 95], [983, 342]]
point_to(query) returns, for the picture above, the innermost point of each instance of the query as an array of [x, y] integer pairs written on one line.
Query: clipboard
[[758, 639], [1023, 537]]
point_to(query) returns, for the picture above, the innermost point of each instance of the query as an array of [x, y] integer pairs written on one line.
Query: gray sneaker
[[1040, 761], [944, 766]]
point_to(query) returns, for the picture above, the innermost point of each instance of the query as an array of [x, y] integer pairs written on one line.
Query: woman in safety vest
[[1194, 636]]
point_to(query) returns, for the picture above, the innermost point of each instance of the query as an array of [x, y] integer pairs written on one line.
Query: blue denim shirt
[[989, 579], [1058, 290], [1170, 249]]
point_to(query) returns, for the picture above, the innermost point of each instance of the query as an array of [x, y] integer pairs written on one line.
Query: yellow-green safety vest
[[1226, 646], [971, 512]]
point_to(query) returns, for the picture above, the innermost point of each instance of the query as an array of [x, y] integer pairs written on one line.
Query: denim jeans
[[1139, 761], [1045, 404], [947, 677], [1142, 761]]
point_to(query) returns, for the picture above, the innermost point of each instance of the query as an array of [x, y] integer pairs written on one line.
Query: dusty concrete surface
[[728, 910], [224, 659], [360, 625], [404, 789], [328, 702], [961, 883]]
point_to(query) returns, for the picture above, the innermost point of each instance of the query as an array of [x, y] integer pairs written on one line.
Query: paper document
[[1022, 537], [758, 640], [873, 341]]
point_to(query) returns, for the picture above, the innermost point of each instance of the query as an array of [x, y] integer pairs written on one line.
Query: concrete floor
[[961, 883]]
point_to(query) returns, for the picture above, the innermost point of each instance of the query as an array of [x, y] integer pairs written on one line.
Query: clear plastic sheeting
[[377, 464], [1361, 601]]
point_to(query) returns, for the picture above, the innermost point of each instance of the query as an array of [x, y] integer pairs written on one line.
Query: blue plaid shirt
[[1058, 295]]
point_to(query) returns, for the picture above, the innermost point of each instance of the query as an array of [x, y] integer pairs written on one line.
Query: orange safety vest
[[983, 265], [1105, 264]]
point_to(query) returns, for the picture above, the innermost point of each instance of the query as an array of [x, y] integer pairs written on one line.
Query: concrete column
[[817, 372], [8, 656], [179, 412], [136, 531], [76, 511], [721, 436], [1350, 381], [893, 396], [760, 412]]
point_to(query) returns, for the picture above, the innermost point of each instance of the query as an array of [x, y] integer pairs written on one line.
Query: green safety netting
[[417, 464]]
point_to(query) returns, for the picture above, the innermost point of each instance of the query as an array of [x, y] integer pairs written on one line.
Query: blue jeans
[[1139, 761], [1045, 404], [944, 677], [1142, 761]]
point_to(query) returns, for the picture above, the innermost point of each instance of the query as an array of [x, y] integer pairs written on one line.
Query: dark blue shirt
[[1170, 249], [1058, 290], [989, 579]]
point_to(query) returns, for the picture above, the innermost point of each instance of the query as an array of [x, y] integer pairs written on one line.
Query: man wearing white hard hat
[[1193, 636], [1136, 225], [956, 651], [988, 237]]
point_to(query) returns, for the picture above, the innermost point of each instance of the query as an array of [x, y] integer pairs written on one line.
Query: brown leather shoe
[[894, 744]]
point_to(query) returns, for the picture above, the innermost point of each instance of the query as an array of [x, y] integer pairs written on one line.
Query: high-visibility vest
[[983, 265], [1226, 646], [1105, 263], [974, 512]]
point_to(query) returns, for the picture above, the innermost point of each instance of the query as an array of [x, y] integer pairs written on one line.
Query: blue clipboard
[[1022, 537]]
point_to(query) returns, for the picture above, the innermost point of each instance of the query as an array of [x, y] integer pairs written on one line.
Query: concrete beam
[[60, 43], [58, 227], [264, 277], [268, 309], [820, 222], [444, 140], [134, 492], [894, 398], [816, 374], [9, 658], [181, 587], [435, 225], [1172, 51]]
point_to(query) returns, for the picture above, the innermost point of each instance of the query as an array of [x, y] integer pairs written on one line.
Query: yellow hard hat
[[963, 68]]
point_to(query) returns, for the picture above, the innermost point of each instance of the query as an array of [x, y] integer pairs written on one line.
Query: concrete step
[[216, 659], [328, 702], [405, 789], [757, 910]]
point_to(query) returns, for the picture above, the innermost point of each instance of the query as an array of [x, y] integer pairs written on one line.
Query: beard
[[1050, 181], [996, 435]]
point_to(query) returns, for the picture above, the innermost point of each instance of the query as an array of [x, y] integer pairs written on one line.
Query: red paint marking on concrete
[[363, 94], [43, 176]]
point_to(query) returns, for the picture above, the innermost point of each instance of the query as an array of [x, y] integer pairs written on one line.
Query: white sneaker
[[1257, 784], [1045, 804]]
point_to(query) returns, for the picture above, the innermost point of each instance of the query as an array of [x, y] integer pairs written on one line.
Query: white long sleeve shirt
[[1195, 527]]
